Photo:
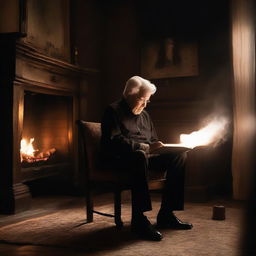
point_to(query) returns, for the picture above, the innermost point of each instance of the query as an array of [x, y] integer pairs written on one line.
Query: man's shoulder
[[120, 106], [115, 104], [113, 107]]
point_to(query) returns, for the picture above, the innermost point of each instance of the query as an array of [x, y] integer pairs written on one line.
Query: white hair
[[136, 84]]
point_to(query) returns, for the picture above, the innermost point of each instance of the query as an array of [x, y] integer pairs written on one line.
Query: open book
[[171, 148]]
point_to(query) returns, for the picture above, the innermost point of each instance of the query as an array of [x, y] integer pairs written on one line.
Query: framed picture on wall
[[46, 25], [165, 58]]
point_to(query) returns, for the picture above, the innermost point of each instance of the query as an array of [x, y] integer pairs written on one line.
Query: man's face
[[139, 101]]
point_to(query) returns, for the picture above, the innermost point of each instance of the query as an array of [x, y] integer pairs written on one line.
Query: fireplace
[[40, 99], [47, 125], [45, 116]]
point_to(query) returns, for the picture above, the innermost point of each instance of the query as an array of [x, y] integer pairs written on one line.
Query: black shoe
[[144, 229], [170, 221]]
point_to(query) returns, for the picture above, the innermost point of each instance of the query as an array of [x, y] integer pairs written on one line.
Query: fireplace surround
[[40, 99]]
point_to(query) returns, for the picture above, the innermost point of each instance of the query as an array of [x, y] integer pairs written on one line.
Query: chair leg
[[89, 205], [117, 205]]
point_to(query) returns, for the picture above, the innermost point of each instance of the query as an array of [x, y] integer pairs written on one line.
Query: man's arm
[[154, 141], [154, 137]]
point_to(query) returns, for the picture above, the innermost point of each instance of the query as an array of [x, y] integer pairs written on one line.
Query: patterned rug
[[66, 228]]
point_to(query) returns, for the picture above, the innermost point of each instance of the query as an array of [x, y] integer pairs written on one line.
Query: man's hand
[[155, 145]]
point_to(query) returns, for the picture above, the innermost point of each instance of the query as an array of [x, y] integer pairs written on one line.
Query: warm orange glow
[[27, 152], [212, 133], [26, 149]]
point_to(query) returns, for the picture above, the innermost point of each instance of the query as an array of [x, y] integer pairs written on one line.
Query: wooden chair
[[89, 145]]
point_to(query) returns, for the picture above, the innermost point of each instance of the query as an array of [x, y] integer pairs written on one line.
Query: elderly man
[[128, 140]]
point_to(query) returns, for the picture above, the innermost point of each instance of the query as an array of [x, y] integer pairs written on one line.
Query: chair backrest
[[90, 133]]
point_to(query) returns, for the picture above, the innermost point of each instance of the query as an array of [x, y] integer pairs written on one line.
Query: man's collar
[[126, 106]]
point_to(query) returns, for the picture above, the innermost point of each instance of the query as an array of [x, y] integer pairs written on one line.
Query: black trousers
[[137, 166]]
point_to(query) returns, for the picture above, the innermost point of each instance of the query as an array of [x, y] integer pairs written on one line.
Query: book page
[[171, 148]]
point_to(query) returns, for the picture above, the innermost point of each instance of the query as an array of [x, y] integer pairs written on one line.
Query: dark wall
[[87, 51], [121, 47], [87, 25]]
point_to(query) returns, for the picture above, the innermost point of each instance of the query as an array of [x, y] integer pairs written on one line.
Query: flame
[[26, 148], [213, 132], [27, 152]]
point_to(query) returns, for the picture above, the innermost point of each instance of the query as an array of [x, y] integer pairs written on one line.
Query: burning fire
[[213, 132], [26, 148], [28, 153]]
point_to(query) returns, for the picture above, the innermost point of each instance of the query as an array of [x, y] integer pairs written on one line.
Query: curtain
[[243, 53]]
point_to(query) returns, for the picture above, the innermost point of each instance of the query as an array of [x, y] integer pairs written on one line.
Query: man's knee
[[139, 155], [177, 159], [181, 158], [139, 162]]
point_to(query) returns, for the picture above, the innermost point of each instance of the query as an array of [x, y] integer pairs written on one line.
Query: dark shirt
[[123, 132]]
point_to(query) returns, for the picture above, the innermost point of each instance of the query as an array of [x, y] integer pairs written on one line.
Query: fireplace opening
[[47, 133]]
